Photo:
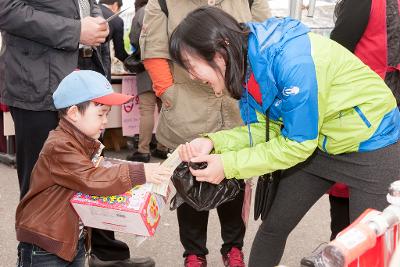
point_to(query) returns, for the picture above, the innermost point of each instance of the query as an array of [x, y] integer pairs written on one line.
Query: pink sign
[[130, 110]]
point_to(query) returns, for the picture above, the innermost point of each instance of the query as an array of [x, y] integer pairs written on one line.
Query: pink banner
[[130, 110]]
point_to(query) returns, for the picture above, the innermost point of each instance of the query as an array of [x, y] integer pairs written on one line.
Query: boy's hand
[[156, 174]]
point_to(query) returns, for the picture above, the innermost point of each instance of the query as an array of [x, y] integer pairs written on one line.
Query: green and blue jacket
[[318, 95]]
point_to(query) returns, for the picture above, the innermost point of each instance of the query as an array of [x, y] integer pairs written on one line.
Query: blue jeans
[[30, 256]]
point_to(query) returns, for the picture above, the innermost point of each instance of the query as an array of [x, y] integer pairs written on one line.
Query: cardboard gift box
[[136, 211]]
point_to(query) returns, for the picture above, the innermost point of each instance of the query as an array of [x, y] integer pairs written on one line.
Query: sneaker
[[315, 258], [132, 262], [234, 258], [137, 156], [195, 261]]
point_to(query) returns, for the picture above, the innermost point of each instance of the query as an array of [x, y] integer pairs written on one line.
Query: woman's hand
[[214, 173], [197, 147], [156, 174]]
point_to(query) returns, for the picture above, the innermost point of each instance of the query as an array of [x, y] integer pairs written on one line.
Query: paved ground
[[165, 247]]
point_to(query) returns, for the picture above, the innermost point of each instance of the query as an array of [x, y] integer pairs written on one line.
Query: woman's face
[[201, 70]]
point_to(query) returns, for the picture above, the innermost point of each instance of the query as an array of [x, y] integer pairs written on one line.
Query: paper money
[[171, 162]]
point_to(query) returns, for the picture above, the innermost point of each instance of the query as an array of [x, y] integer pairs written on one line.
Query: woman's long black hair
[[338, 9], [206, 31]]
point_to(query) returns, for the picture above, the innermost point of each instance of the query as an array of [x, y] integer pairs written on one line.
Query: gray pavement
[[165, 247]]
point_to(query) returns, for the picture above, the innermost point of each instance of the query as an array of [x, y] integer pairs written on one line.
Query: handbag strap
[[267, 125]]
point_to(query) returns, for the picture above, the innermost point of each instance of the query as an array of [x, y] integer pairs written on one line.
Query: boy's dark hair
[[206, 31], [81, 108], [140, 3], [110, 2]]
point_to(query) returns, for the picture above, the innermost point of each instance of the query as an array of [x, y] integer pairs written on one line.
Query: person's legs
[[232, 230], [361, 200], [106, 247], [30, 255], [232, 225], [296, 194], [161, 147], [31, 131], [147, 104], [340, 218], [193, 230], [160, 151], [106, 251], [79, 260]]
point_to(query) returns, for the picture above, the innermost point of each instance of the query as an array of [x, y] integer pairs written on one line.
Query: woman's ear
[[221, 63], [73, 113], [219, 60]]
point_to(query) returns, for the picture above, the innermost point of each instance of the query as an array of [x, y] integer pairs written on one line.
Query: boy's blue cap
[[86, 85]]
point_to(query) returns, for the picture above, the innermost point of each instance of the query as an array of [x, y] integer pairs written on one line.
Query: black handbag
[[201, 196], [133, 63], [267, 186]]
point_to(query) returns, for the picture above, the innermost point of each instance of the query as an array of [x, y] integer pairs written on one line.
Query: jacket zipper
[[324, 144], [362, 116]]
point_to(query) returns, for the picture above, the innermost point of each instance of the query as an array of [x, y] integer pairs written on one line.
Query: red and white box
[[136, 211]]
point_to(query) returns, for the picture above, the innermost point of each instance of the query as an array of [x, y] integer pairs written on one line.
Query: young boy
[[49, 230]]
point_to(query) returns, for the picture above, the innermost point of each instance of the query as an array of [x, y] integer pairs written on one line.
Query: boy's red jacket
[[45, 216]]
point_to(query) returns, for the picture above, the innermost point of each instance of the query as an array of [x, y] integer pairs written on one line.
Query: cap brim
[[113, 99]]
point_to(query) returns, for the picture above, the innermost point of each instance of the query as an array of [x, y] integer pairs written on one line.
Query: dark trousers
[[31, 131], [368, 176], [340, 218], [106, 247], [193, 227]]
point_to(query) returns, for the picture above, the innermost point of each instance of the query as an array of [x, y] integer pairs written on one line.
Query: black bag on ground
[[267, 185], [201, 195]]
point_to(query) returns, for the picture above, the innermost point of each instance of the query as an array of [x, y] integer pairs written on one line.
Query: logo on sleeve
[[277, 103], [291, 91]]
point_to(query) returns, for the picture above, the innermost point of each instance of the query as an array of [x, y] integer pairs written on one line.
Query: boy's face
[[93, 120]]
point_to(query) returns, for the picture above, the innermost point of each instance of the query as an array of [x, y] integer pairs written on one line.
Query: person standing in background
[[371, 30], [42, 47], [147, 98], [190, 108], [116, 26]]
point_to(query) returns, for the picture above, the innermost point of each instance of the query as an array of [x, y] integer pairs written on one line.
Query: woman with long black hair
[[331, 118]]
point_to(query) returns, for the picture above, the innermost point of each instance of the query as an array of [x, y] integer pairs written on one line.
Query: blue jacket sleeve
[[299, 91]]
